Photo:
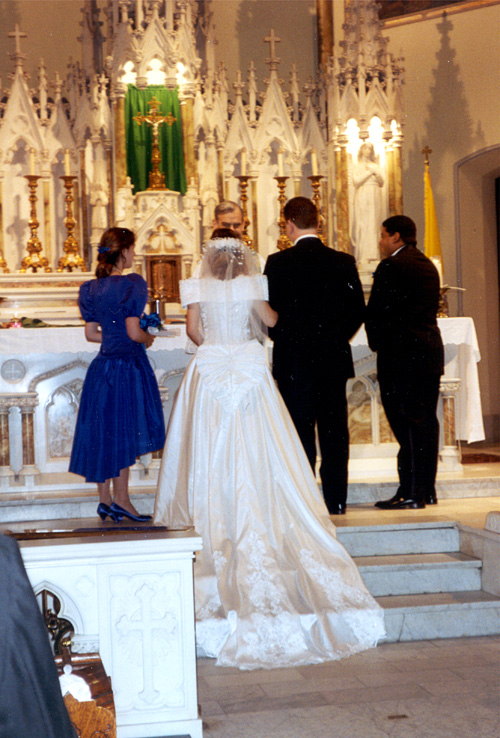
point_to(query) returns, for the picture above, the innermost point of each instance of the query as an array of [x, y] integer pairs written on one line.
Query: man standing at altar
[[228, 214], [401, 325], [319, 299]]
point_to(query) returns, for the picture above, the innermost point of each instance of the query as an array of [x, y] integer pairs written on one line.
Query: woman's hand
[[135, 332]]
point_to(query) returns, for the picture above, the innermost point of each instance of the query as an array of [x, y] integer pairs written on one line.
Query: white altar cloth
[[23, 341], [461, 358], [130, 597]]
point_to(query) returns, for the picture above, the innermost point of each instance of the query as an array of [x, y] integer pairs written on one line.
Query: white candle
[[439, 267], [67, 169], [281, 168], [243, 162], [314, 162], [32, 161]]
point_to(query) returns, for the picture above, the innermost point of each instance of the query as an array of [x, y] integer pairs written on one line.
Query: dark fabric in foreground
[[31, 704]]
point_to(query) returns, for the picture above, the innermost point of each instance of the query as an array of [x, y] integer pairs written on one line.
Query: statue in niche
[[367, 209]]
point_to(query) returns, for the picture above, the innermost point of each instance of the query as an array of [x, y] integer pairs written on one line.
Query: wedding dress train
[[273, 586]]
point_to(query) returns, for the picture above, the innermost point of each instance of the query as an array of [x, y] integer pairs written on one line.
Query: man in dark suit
[[319, 299], [31, 703], [402, 328]]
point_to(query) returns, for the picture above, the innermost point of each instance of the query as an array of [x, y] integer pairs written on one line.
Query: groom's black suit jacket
[[319, 299]]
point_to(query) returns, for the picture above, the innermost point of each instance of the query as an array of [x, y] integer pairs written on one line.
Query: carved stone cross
[[273, 60]]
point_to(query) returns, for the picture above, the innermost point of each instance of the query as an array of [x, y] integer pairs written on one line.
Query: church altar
[[373, 447], [42, 373], [129, 596]]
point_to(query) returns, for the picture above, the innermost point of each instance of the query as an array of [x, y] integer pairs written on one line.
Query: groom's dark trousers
[[319, 299]]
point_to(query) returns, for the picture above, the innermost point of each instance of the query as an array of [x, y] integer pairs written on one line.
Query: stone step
[[448, 487], [410, 574], [411, 538], [441, 615]]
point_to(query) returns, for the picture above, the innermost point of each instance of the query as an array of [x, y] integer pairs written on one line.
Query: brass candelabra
[[243, 178], [72, 258], [283, 240], [34, 260], [315, 180]]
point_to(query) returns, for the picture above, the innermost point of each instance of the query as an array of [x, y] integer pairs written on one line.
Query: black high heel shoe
[[104, 511], [120, 513]]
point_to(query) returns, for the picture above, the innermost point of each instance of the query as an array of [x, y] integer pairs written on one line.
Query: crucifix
[[156, 178]]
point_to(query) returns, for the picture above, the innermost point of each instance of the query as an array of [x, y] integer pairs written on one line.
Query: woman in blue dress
[[120, 415]]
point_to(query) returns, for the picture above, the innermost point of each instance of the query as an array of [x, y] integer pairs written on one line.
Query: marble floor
[[426, 689]]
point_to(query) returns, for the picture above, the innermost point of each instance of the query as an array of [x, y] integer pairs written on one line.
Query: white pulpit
[[129, 596]]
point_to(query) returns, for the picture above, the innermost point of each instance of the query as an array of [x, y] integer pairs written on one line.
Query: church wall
[[52, 29], [452, 105], [240, 28]]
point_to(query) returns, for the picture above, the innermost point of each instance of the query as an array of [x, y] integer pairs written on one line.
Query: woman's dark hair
[[226, 263], [223, 233], [112, 243]]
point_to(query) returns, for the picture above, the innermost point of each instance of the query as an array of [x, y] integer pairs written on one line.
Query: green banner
[[139, 139]]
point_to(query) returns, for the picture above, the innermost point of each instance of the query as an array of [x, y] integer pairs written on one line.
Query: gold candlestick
[[283, 240], [315, 180], [34, 260], [72, 258], [243, 178]]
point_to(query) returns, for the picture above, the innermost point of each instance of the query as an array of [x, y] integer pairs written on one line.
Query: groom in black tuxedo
[[402, 328], [319, 299]]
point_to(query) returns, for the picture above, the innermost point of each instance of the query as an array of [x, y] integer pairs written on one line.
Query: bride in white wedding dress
[[273, 586]]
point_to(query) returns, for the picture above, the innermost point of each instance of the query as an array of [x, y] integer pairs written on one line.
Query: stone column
[[3, 263], [390, 181], [254, 217], [187, 114], [84, 209], [6, 470], [324, 10], [220, 172], [450, 453], [27, 403], [342, 188], [120, 147], [398, 179]]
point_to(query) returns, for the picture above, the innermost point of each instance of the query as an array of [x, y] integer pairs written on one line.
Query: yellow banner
[[432, 242]]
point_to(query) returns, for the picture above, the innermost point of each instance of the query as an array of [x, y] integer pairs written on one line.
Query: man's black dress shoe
[[400, 502], [410, 504], [431, 499], [388, 504], [337, 509]]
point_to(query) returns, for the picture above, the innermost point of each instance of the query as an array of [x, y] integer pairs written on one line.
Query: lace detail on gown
[[273, 586]]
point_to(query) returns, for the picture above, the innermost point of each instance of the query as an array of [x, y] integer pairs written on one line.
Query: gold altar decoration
[[34, 260], [156, 178], [315, 180], [243, 180], [283, 240], [72, 258]]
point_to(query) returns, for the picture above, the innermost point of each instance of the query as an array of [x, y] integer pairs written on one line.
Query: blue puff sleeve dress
[[120, 415]]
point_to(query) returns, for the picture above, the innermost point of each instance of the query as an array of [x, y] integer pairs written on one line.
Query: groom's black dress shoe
[[393, 502], [431, 499], [337, 509], [400, 502]]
